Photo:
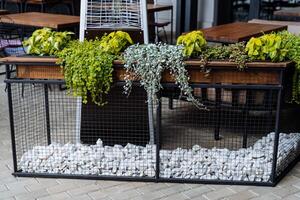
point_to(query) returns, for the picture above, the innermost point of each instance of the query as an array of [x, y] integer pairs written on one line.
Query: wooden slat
[[226, 64], [229, 77], [216, 64], [28, 59], [39, 72], [196, 76]]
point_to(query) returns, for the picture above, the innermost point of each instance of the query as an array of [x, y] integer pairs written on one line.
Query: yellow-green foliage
[[267, 47], [45, 42], [278, 47], [88, 65], [115, 42], [193, 43]]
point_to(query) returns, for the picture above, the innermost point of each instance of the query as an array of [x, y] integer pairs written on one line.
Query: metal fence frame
[[274, 177]]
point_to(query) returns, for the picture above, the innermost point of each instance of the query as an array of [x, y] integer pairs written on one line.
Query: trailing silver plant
[[147, 62]]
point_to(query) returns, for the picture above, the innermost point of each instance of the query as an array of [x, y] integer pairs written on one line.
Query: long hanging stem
[[150, 118]]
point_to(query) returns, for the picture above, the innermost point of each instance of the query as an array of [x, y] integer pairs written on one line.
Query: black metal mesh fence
[[232, 139]]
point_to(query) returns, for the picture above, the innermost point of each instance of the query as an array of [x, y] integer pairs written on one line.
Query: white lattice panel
[[113, 14]]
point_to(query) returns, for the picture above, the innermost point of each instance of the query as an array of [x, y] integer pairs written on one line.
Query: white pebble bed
[[250, 164]]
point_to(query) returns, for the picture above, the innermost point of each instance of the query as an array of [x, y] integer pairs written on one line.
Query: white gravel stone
[[250, 164]]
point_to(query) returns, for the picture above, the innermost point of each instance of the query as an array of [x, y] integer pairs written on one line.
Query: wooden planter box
[[222, 72]]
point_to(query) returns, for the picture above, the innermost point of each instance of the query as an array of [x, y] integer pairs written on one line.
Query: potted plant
[[45, 42]]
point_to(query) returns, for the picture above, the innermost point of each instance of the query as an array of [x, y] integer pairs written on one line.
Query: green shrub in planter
[[88, 65], [115, 42], [278, 47], [87, 70], [45, 42], [193, 43], [232, 52], [267, 47]]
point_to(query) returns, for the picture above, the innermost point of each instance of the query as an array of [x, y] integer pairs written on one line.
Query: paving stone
[[124, 195], [62, 195], [197, 191], [83, 190], [61, 188], [219, 194], [297, 194], [3, 188], [291, 197], [262, 190], [152, 187], [174, 189], [199, 198], [32, 195], [9, 194], [244, 195], [107, 184], [129, 186], [153, 195], [289, 180], [268, 196], [178, 196], [239, 188], [82, 197], [99, 194], [284, 191]]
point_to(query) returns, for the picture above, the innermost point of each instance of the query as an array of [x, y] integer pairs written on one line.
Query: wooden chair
[[48, 3], [18, 3], [160, 27], [10, 40]]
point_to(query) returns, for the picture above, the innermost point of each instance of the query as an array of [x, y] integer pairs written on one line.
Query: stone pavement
[[44, 188]]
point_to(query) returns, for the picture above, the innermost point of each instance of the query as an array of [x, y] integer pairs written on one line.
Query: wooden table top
[[37, 19], [239, 31], [288, 12], [195, 62], [157, 8]]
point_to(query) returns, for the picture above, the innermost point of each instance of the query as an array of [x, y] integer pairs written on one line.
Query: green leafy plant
[[149, 61], [270, 46], [87, 70], [88, 65], [45, 42], [292, 45], [115, 42], [232, 52], [276, 47], [193, 43]]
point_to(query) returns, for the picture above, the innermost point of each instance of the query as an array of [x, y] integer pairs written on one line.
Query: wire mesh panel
[[231, 140], [130, 15], [113, 140], [113, 14]]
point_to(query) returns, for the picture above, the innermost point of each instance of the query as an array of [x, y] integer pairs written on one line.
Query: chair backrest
[[111, 15], [10, 37]]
